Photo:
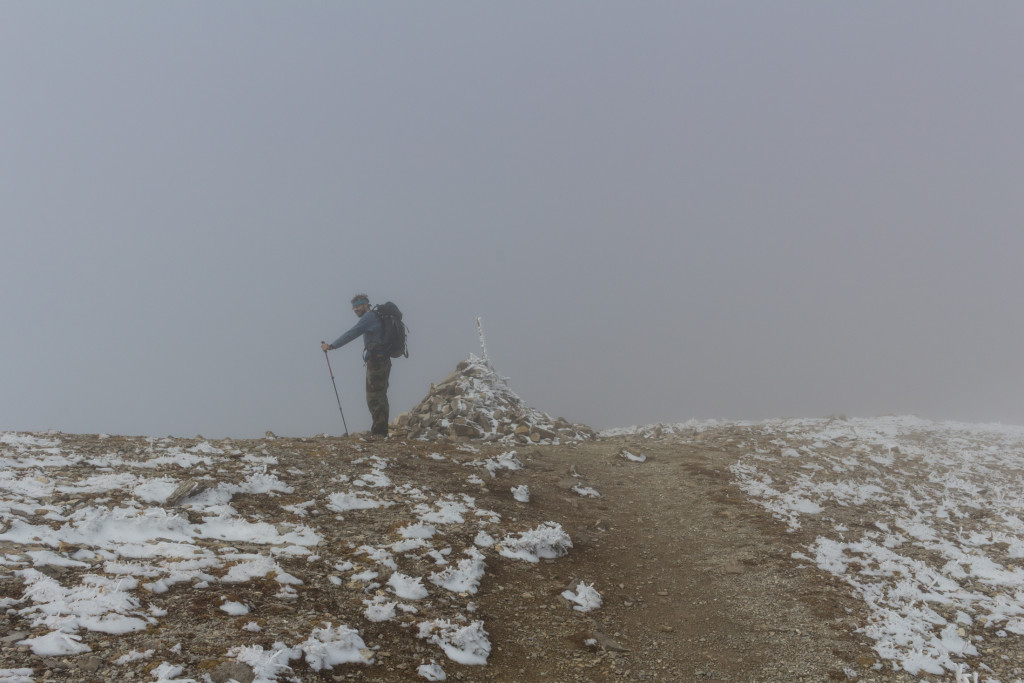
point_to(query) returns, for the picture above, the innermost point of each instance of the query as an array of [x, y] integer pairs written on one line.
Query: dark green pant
[[378, 372]]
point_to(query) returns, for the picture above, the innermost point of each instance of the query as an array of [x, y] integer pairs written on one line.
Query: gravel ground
[[697, 581]]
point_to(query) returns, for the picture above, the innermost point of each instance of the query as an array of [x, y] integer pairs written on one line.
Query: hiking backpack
[[393, 331]]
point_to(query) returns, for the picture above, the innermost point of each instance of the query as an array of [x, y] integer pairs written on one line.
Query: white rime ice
[[465, 578], [328, 647], [547, 541], [407, 587], [462, 644], [432, 672], [586, 597]]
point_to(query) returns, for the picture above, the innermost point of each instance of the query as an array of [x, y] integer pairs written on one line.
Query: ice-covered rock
[[474, 402]]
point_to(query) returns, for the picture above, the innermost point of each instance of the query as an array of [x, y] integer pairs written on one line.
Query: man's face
[[361, 309]]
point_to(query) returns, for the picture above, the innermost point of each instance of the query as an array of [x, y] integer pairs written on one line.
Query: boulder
[[539, 433], [468, 429]]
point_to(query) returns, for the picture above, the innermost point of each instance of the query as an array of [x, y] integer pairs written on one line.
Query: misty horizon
[[661, 212]]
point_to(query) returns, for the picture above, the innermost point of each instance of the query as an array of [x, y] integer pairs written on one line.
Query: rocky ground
[[697, 581]]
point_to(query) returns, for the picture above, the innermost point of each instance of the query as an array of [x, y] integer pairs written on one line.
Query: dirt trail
[[697, 582]]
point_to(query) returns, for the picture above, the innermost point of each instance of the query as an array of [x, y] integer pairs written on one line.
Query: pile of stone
[[474, 402]]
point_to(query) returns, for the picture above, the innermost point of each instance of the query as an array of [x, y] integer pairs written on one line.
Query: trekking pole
[[336, 391]]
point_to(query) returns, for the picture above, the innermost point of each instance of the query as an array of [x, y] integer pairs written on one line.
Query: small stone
[[238, 671], [185, 489], [90, 664], [608, 643]]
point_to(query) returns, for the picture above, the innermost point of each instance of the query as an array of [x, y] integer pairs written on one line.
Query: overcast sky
[[661, 210]]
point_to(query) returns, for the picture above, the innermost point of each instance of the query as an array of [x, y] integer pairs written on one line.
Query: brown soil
[[698, 582]]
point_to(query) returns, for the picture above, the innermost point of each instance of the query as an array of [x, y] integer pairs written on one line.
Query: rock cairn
[[474, 402]]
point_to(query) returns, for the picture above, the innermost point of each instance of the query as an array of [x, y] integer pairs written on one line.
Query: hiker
[[378, 361]]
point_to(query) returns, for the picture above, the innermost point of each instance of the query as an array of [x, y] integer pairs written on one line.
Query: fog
[[661, 211]]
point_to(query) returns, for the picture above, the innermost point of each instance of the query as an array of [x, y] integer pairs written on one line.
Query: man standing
[[378, 362]]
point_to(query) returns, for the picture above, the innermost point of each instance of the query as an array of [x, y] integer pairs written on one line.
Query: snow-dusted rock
[[474, 402]]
